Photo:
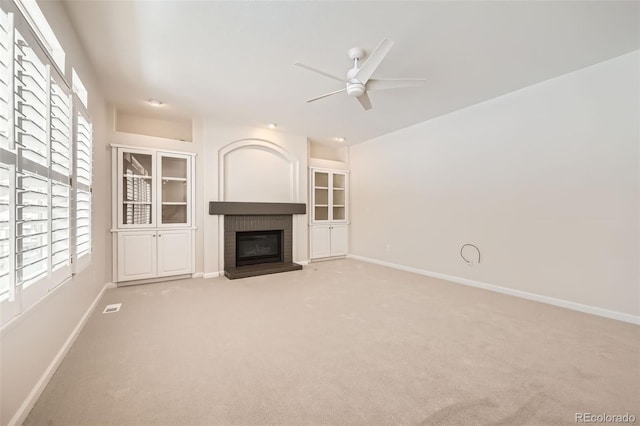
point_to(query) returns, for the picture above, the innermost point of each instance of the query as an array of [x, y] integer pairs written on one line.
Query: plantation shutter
[[84, 146], [6, 74], [39, 221], [32, 183], [61, 123], [7, 192], [6, 263]]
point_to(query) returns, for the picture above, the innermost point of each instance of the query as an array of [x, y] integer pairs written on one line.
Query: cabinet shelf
[[138, 202], [174, 179], [321, 187], [136, 176]]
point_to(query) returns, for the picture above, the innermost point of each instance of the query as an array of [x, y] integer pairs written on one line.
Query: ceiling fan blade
[[327, 94], [364, 101], [372, 62], [326, 74], [394, 83]]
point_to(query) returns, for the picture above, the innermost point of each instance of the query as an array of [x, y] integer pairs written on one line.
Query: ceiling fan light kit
[[359, 80], [355, 88]]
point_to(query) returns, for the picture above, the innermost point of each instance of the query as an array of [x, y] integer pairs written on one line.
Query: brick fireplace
[[258, 237]]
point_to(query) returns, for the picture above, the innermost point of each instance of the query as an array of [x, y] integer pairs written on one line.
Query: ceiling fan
[[359, 80]]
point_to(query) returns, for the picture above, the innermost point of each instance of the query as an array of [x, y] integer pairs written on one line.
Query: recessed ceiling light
[[340, 138], [272, 125], [155, 102]]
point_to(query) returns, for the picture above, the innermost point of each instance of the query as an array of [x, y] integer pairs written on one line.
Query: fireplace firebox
[[256, 247]]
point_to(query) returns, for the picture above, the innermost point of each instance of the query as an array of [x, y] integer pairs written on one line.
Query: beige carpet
[[341, 342]]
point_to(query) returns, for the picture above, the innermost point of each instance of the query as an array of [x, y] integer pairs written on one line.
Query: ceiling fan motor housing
[[355, 88]]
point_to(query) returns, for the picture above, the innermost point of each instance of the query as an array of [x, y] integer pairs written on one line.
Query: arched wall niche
[[257, 170]]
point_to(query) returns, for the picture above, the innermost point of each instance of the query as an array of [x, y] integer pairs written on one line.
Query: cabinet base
[[261, 269]]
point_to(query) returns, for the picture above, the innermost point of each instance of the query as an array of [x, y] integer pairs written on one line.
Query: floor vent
[[109, 309]]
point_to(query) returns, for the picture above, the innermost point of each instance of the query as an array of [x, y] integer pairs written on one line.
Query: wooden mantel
[[242, 208]]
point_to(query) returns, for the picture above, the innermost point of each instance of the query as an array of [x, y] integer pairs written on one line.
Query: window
[[83, 185], [36, 20], [79, 89], [45, 168]]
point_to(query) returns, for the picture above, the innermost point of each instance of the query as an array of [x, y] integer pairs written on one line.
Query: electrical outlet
[[387, 248]]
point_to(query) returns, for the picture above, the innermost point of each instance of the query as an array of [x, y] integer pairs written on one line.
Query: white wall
[[181, 130], [258, 174], [29, 343], [252, 173], [544, 180]]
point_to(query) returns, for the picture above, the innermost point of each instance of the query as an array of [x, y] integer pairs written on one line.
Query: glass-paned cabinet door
[[136, 188], [175, 189], [338, 196], [320, 196]]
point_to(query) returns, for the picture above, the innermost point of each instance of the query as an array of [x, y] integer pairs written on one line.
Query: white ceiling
[[232, 62]]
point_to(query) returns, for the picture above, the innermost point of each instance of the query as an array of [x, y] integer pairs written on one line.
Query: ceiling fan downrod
[[355, 87]]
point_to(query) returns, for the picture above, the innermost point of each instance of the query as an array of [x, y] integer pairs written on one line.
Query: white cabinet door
[[136, 199], [329, 192], [339, 240], [320, 195], [339, 196], [320, 241], [136, 255], [329, 240], [174, 252], [174, 190]]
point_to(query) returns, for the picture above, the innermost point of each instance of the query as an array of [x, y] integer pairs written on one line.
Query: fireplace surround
[[258, 237]]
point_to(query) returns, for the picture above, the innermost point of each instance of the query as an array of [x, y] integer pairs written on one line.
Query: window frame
[[20, 299]]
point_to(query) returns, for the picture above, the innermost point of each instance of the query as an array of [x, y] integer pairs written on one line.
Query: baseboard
[[110, 285], [594, 310], [32, 398], [154, 280], [197, 275], [326, 259], [302, 262], [212, 274]]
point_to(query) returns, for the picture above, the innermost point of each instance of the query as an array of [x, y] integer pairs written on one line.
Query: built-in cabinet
[[329, 225], [153, 220]]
